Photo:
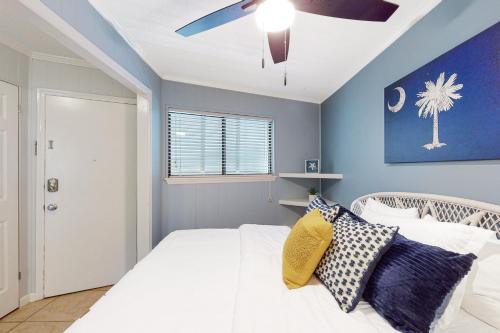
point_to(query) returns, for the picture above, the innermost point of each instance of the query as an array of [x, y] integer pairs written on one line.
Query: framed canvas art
[[449, 109], [311, 166]]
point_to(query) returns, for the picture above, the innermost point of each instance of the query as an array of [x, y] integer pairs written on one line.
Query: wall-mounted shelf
[[298, 202], [311, 175], [304, 202]]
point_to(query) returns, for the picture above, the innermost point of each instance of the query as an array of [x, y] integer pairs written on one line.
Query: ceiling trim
[[215, 85], [127, 40], [208, 84], [424, 11], [13, 44], [72, 39], [61, 59]]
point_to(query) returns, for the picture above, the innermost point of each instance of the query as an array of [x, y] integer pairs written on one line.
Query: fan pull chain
[[263, 43], [286, 58]]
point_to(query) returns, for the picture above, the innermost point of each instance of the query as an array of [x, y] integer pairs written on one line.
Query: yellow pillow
[[307, 242]]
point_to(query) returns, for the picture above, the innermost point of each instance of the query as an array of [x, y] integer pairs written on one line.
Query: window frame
[[223, 178]]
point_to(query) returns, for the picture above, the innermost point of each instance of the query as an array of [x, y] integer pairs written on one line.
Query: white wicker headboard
[[443, 208]]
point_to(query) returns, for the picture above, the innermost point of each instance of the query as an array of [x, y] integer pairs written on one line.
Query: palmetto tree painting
[[438, 97]]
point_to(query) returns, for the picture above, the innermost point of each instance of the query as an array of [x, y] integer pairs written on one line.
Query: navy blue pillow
[[329, 213], [333, 211], [413, 282]]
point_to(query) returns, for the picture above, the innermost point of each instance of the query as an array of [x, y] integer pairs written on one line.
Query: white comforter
[[264, 304], [221, 281]]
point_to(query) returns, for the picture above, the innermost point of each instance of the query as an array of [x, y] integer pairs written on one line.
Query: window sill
[[220, 179]]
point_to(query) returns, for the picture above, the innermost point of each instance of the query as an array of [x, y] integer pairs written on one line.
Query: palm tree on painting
[[437, 98]]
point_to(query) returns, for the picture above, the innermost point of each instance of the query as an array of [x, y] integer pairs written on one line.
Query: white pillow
[[429, 218], [378, 207], [453, 237], [487, 281], [482, 297], [483, 308]]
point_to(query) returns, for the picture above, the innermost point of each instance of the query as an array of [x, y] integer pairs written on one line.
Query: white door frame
[[143, 225], [75, 41], [18, 187]]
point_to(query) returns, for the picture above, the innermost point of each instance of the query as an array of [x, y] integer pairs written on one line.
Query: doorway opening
[[87, 159]]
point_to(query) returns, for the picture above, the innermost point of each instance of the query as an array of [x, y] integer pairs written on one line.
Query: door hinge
[[36, 148], [43, 207], [19, 276]]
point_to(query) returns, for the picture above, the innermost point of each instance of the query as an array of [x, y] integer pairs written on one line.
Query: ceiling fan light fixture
[[275, 15]]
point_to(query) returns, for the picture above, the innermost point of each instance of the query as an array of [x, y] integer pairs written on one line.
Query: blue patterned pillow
[[413, 283], [356, 248], [328, 212]]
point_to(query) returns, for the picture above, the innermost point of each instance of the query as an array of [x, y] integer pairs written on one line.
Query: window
[[203, 144]]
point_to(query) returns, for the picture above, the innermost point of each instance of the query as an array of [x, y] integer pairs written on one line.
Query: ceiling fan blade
[[218, 18], [278, 41], [362, 10]]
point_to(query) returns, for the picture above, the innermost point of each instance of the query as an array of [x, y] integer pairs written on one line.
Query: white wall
[[31, 74], [83, 17], [50, 75]]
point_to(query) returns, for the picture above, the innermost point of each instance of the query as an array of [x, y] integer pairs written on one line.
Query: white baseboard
[[29, 298]]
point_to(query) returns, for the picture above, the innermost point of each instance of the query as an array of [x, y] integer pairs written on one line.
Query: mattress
[[227, 280]]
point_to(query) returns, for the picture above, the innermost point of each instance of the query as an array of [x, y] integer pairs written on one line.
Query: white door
[[9, 283], [90, 219]]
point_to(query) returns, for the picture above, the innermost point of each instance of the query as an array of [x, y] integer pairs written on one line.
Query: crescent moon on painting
[[400, 103]]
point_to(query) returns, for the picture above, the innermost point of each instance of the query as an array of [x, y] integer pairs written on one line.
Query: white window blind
[[213, 144]]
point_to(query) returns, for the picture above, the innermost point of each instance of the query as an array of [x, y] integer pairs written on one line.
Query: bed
[[229, 280]]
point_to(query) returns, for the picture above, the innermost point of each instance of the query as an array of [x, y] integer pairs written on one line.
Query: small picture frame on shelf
[[312, 166]]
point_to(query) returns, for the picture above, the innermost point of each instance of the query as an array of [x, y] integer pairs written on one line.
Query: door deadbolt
[[53, 185]]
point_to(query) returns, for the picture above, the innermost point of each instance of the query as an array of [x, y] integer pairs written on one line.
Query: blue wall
[[229, 205], [353, 123], [84, 18], [206, 205]]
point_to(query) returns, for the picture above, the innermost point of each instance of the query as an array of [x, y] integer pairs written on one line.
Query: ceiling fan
[[275, 17]]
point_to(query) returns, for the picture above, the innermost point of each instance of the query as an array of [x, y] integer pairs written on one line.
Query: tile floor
[[51, 315]]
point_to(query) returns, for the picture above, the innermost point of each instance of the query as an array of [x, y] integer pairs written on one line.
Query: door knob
[[51, 207]]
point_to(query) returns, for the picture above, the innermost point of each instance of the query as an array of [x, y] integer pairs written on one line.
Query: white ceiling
[[324, 52], [19, 30]]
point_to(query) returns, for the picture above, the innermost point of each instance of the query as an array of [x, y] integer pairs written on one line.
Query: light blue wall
[[84, 18], [353, 123], [230, 205], [223, 205]]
